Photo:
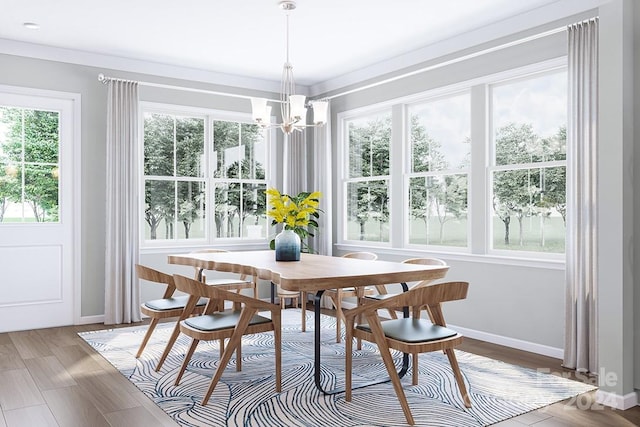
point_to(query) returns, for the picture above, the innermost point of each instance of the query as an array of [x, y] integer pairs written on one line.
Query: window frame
[[491, 167], [432, 96], [345, 180], [209, 115], [480, 209], [52, 102]]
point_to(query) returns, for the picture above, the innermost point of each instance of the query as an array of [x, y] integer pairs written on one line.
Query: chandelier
[[292, 106]]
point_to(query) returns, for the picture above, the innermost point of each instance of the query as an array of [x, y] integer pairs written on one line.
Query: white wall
[[616, 200]]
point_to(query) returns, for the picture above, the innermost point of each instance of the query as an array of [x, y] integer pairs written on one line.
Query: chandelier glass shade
[[293, 107]]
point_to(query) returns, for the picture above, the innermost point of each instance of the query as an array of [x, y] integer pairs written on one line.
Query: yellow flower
[[294, 211], [297, 213]]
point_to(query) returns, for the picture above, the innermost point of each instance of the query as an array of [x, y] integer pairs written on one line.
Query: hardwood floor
[[51, 377]]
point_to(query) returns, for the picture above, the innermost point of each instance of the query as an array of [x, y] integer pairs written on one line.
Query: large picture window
[[204, 178], [477, 168]]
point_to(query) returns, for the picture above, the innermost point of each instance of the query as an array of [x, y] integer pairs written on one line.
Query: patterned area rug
[[498, 390]]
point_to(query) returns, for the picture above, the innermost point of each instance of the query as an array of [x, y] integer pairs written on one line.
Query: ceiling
[[246, 38]]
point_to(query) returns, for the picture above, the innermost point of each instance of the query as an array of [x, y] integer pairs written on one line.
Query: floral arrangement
[[298, 213]]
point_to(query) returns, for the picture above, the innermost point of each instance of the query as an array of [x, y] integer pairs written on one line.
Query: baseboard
[[616, 401], [544, 350], [541, 349], [87, 320]]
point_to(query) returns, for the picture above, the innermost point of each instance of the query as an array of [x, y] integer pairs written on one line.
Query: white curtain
[[322, 174], [122, 292], [295, 163], [580, 350]]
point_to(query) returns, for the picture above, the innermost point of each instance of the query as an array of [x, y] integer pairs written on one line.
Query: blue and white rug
[[498, 390]]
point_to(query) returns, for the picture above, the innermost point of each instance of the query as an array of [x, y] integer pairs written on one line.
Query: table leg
[[317, 365], [316, 340]]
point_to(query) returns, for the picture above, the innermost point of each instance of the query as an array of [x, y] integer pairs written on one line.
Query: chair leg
[[234, 344], [169, 346], [415, 368], [303, 302], [339, 316], [147, 335], [186, 360], [458, 375], [277, 336], [348, 364], [239, 358], [381, 341]]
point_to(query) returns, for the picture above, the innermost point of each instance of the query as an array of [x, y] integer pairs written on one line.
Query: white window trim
[[479, 236], [343, 167], [209, 115]]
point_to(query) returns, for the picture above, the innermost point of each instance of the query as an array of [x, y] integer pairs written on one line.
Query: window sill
[[521, 261], [227, 246]]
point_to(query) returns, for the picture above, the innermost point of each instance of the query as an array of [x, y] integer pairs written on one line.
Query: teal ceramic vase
[[287, 246]]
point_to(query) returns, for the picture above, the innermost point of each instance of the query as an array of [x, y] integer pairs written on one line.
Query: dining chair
[[226, 283], [168, 306], [420, 261], [337, 295], [229, 324], [284, 294], [411, 335]]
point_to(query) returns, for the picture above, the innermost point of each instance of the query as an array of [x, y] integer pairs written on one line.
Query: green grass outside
[[455, 234]]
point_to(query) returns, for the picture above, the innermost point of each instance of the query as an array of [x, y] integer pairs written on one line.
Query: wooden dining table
[[313, 274]]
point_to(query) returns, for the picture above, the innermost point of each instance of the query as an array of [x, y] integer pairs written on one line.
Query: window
[[529, 120], [367, 177], [478, 167], [205, 177], [439, 150], [29, 168]]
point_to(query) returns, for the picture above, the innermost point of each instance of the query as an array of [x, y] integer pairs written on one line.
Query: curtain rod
[[450, 62], [104, 79]]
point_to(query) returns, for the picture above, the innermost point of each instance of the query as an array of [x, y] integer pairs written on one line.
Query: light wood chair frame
[[249, 307], [337, 295], [160, 278], [294, 296], [417, 261], [431, 296], [227, 283]]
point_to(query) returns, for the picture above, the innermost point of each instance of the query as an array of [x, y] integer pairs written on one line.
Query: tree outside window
[[182, 193], [439, 144], [529, 172], [367, 183], [29, 168]]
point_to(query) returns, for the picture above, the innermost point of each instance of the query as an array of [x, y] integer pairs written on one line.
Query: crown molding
[[535, 21], [71, 56]]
